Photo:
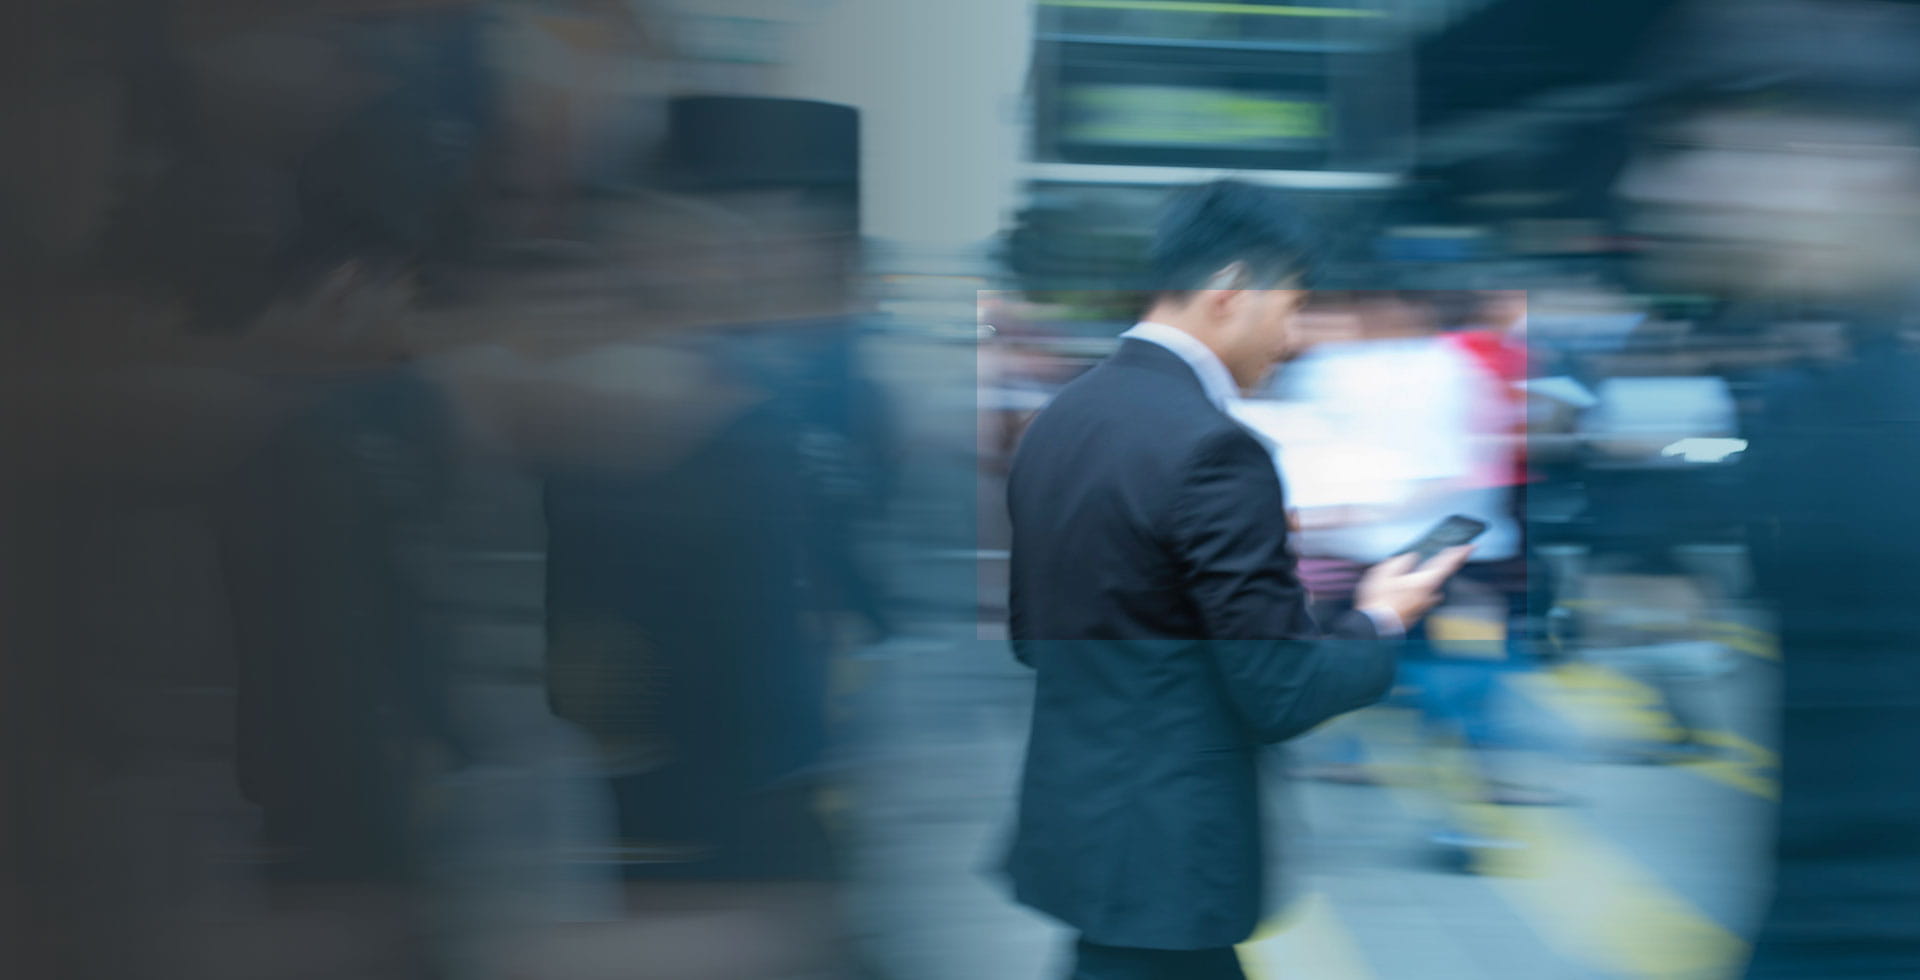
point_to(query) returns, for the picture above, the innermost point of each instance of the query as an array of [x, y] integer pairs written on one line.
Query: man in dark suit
[[1154, 595]]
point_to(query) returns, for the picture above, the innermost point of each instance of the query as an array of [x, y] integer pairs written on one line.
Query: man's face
[[1260, 332], [1749, 203]]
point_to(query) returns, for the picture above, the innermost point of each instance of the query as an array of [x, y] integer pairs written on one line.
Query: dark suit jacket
[[1154, 595]]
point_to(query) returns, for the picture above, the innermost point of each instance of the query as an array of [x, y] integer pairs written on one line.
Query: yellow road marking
[[1252, 9], [1760, 754], [1740, 637], [1743, 638], [1305, 940], [1594, 902], [1729, 626], [1602, 702], [1583, 896], [1751, 769]]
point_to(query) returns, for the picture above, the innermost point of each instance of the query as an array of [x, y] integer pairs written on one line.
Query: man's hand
[[1396, 586]]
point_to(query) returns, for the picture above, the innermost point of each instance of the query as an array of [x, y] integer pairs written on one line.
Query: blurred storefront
[[1129, 98]]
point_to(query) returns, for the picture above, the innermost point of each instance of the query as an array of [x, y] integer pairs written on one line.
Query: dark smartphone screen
[[1450, 533]]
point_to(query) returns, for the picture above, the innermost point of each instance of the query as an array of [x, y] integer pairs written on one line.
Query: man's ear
[[1224, 291]]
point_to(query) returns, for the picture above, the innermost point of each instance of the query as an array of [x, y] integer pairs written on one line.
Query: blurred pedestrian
[[1420, 424], [1781, 171]]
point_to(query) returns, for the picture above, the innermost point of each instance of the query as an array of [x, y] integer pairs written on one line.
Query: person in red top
[[1500, 348]]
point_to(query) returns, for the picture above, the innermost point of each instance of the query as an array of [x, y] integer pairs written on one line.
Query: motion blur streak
[[515, 488]]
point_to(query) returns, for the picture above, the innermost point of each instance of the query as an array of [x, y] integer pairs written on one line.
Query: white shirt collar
[[1215, 379]]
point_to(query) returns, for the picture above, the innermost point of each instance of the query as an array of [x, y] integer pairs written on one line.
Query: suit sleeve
[[1017, 627], [1284, 674]]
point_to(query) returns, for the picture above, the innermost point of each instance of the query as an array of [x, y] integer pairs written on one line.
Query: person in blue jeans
[[1460, 700]]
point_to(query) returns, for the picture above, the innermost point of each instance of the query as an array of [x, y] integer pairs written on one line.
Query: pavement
[[1654, 872]]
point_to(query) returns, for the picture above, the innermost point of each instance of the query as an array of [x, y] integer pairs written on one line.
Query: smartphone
[[1450, 533]]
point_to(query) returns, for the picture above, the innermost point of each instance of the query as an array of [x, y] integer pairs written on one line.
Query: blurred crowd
[[445, 466], [438, 461]]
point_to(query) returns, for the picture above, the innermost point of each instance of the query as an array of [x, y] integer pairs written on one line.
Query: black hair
[[1208, 227]]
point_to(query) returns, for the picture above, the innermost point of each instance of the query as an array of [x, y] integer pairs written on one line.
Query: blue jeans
[[1457, 697]]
